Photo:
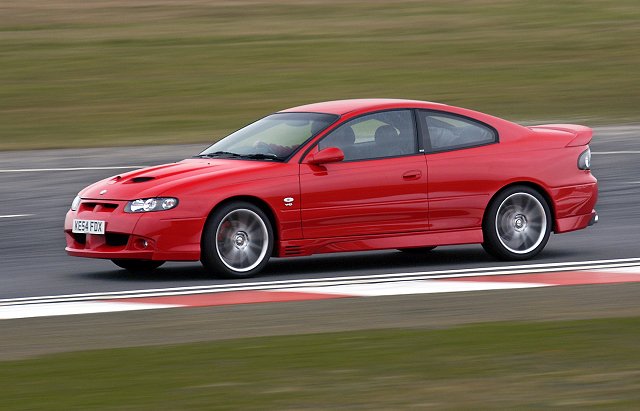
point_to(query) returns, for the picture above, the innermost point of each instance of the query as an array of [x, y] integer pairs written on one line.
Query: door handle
[[412, 175]]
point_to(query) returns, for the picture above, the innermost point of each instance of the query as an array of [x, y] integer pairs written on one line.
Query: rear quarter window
[[451, 132]]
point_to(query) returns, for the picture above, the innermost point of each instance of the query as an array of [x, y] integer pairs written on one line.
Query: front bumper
[[145, 236]]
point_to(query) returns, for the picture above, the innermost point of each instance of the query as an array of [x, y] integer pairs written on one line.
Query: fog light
[[142, 243]]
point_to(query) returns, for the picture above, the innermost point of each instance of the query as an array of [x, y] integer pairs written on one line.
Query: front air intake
[[116, 239]]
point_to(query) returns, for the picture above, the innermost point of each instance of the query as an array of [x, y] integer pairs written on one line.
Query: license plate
[[88, 226]]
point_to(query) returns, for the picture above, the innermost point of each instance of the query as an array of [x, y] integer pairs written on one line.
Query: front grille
[[116, 239], [98, 206]]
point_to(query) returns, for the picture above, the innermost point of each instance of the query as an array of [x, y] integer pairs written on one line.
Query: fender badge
[[288, 201], [103, 192]]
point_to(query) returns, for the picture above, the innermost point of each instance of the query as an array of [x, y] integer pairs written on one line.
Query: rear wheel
[[517, 224], [237, 241], [138, 266]]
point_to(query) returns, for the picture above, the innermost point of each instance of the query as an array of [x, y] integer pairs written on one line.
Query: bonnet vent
[[141, 179]]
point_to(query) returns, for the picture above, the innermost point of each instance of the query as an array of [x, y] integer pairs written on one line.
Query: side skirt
[[295, 248]]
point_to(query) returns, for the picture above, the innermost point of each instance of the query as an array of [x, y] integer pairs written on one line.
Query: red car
[[349, 175]]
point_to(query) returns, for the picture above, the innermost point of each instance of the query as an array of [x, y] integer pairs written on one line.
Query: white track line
[[72, 308], [333, 281], [412, 287], [15, 215], [38, 170]]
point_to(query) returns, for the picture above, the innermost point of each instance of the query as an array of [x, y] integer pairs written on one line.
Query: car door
[[380, 187], [462, 169]]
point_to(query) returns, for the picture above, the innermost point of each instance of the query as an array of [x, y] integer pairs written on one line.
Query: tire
[[418, 250], [138, 266], [517, 224], [237, 241]]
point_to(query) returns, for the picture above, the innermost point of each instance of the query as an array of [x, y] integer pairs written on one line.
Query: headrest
[[386, 135], [344, 136]]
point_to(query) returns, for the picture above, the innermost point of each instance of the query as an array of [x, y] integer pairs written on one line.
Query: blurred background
[[120, 72]]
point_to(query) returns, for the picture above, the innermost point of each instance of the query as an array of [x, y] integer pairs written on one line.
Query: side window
[[450, 132], [377, 135]]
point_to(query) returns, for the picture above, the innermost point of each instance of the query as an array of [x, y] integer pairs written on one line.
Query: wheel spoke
[[254, 250], [527, 205], [253, 227], [244, 259], [516, 203], [233, 256], [537, 225], [508, 236], [243, 220]]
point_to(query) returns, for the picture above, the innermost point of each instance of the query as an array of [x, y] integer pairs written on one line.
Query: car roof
[[342, 107]]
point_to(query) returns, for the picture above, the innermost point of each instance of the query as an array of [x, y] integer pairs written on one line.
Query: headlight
[[75, 204], [144, 205], [584, 161]]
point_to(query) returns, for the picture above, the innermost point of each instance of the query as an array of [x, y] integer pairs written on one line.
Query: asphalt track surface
[[36, 189]]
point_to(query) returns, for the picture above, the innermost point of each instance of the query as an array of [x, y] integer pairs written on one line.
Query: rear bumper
[[574, 206], [579, 222]]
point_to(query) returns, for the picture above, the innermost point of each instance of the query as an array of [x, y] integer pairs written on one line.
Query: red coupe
[[349, 175]]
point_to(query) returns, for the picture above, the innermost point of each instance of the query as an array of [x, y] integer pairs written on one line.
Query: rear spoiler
[[582, 134]]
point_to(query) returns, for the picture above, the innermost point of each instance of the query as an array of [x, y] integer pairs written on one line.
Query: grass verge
[[573, 364], [104, 73]]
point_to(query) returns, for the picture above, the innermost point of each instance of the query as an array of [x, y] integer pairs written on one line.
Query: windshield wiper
[[218, 154], [261, 156], [227, 154]]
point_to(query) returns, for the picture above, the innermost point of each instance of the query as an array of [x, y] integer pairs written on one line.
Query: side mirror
[[327, 155]]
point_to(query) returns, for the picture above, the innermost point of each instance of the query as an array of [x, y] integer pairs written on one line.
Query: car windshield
[[274, 137]]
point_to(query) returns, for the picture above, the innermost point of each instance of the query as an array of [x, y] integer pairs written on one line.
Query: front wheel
[[138, 266], [237, 241], [517, 224]]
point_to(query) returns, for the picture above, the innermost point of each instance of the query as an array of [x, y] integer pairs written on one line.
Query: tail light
[[584, 160]]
